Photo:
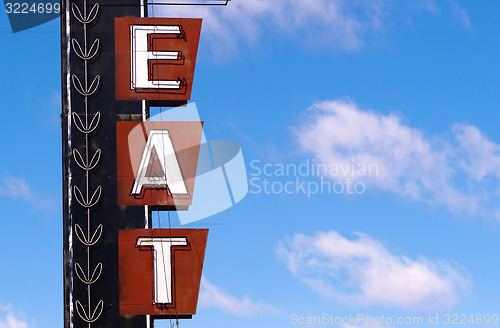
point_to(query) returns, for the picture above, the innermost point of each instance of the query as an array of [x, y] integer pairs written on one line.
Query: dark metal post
[[91, 215]]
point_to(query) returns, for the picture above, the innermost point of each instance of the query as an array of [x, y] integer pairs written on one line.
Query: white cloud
[[479, 156], [340, 24], [456, 173], [12, 322], [212, 296], [9, 320], [337, 22], [14, 187], [460, 14], [364, 272]]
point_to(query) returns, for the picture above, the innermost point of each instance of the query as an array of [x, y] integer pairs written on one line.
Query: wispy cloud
[[364, 272], [461, 173], [18, 188], [460, 13], [338, 24], [213, 296], [9, 320]]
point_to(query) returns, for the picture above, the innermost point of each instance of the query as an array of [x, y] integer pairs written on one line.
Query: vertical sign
[[160, 270], [92, 216], [105, 72]]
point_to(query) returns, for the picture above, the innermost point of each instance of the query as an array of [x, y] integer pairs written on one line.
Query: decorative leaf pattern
[[96, 236], [83, 164], [95, 197], [85, 91], [95, 160], [93, 13], [87, 162], [94, 48], [86, 316], [86, 128]]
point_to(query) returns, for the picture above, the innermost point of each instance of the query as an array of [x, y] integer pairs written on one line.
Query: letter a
[[160, 142]]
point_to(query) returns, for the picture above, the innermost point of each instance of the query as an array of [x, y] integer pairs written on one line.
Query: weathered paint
[[131, 144], [137, 278], [162, 49]]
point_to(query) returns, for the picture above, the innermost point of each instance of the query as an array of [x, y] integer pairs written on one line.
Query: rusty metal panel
[[132, 138], [147, 57], [137, 281]]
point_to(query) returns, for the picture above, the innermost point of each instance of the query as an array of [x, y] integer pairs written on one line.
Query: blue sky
[[410, 87]]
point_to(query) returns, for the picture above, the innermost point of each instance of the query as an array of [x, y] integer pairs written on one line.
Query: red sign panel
[[155, 58], [160, 271], [156, 162]]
